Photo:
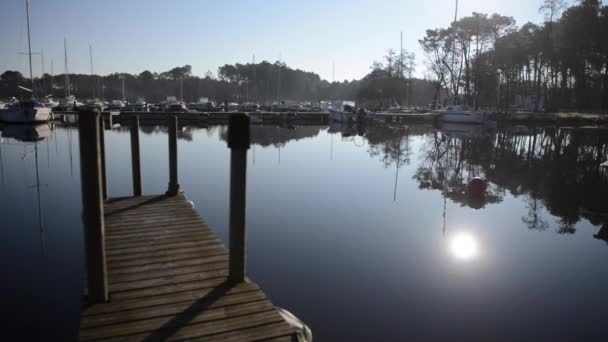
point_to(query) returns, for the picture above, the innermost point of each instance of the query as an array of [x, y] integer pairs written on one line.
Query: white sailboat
[[461, 114], [26, 111], [344, 115]]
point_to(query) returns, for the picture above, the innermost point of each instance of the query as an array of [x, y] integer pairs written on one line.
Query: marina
[[463, 246], [424, 171]]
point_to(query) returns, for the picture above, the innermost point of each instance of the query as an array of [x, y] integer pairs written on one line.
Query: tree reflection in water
[[557, 168]]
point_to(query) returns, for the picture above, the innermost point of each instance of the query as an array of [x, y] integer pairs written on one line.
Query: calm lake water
[[365, 234]]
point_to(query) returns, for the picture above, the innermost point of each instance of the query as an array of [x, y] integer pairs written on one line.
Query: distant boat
[[461, 114], [175, 106], [70, 103], [140, 105], [49, 102], [116, 105], [202, 105], [94, 104], [26, 111], [344, 115]]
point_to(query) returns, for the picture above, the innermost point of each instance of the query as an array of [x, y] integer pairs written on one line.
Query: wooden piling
[[135, 157], [173, 179], [238, 142], [102, 152], [92, 205]]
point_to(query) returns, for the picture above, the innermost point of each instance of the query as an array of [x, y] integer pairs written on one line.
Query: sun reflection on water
[[464, 246]]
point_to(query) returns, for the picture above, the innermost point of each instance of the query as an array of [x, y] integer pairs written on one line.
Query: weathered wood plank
[[167, 278], [138, 303], [163, 266], [255, 298]]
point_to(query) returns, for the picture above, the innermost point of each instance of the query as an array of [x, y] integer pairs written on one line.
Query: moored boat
[[26, 111], [461, 114]]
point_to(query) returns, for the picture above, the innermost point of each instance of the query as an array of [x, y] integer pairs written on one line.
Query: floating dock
[[167, 280], [155, 271]]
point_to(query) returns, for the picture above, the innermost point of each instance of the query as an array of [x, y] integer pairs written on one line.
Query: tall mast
[[52, 77], [401, 63], [92, 80], [254, 80], [67, 77], [123, 87], [333, 71], [29, 44], [279, 80], [43, 82], [401, 56]]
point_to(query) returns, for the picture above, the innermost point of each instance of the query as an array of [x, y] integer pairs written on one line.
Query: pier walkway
[[156, 272]]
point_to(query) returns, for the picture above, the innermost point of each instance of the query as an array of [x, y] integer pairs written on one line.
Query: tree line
[[262, 82], [487, 61]]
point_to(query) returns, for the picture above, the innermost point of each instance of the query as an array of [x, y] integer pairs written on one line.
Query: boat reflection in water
[[28, 134]]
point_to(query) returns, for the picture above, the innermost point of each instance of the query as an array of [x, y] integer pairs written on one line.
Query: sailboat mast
[[92, 80], [52, 78], [29, 43], [67, 77], [43, 82]]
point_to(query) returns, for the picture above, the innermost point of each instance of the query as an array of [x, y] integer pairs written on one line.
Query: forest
[[560, 65], [263, 82]]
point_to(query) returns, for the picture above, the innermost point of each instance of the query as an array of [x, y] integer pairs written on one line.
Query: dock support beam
[[135, 158], [238, 142], [173, 181], [92, 205], [102, 152]]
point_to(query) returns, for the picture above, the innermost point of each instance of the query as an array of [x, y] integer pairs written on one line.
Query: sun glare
[[463, 246]]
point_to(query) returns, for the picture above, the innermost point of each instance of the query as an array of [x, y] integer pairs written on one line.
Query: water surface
[[365, 233]]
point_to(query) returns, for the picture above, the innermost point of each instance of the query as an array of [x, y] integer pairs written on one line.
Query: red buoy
[[477, 186]]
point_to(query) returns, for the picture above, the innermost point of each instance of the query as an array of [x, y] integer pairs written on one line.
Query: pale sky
[[135, 35]]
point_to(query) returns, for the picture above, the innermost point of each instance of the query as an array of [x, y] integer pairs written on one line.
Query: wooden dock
[[167, 280], [155, 271]]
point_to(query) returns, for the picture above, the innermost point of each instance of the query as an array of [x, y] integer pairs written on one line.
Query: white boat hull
[[25, 115], [462, 117], [340, 116]]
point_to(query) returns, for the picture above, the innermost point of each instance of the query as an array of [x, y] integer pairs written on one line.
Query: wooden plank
[[163, 266], [167, 278], [176, 279], [163, 252], [159, 247], [138, 303], [206, 323], [211, 321], [176, 307], [211, 251], [167, 273], [267, 332]]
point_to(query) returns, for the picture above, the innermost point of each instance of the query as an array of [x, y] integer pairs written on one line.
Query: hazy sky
[[135, 35]]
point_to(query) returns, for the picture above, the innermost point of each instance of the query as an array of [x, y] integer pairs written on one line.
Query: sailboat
[[30, 110]]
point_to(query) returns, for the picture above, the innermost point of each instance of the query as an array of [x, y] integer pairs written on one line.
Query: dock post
[[92, 205], [102, 153], [173, 181], [238, 142], [135, 159]]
